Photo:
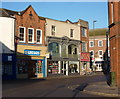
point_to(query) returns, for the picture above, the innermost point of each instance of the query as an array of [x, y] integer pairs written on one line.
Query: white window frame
[[86, 47], [99, 52], [53, 31], [24, 34], [98, 43], [32, 36], [90, 43], [40, 36], [93, 52]]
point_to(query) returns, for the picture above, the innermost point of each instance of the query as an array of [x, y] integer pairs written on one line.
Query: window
[[100, 43], [100, 52], [91, 43], [39, 36], [30, 35], [71, 32], [84, 31], [22, 34], [84, 47], [53, 47], [92, 52], [53, 30]]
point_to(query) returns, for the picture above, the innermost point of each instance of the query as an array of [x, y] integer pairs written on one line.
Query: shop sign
[[85, 57], [32, 52]]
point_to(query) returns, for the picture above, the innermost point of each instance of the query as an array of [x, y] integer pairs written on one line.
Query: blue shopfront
[[8, 66], [31, 65]]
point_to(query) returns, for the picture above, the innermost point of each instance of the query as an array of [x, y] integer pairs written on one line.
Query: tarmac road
[[63, 87]]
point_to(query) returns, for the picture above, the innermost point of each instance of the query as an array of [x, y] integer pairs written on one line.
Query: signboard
[[85, 57], [32, 52]]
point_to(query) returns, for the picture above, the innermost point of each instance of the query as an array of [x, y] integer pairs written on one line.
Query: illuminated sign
[[85, 57], [32, 52]]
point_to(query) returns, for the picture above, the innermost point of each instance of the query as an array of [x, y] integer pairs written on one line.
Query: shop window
[[39, 67], [39, 36], [7, 68], [53, 67], [22, 66]]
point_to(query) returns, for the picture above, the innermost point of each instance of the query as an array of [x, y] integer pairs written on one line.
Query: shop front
[[31, 65], [85, 63]]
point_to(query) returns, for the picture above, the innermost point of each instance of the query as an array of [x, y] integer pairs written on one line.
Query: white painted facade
[[7, 31], [62, 29]]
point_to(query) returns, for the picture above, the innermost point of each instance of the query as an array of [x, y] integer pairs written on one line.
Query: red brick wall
[[115, 40], [34, 22]]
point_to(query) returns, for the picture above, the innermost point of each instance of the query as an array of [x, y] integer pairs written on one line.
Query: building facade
[[114, 32], [63, 40], [64, 46], [97, 48], [7, 47], [29, 43]]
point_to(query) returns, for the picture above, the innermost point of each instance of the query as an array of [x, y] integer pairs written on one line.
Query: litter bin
[[113, 78]]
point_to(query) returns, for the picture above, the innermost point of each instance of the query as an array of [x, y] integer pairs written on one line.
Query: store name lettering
[[31, 52]]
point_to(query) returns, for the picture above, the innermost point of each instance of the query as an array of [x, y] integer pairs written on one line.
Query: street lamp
[[94, 39]]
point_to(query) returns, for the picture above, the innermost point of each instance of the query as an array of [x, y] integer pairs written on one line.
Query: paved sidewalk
[[102, 89]]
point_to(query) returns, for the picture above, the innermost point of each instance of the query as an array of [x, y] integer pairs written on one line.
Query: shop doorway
[[31, 68]]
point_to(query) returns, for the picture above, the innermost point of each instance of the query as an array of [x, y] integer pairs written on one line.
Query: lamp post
[[94, 42]]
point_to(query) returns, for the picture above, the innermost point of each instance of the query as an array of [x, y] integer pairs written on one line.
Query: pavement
[[102, 89], [97, 88]]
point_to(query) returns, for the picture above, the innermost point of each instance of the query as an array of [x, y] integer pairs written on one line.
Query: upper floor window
[[53, 29], [84, 47], [100, 43], [22, 34], [91, 43], [30, 35], [84, 32], [100, 52], [39, 36], [53, 47], [71, 32]]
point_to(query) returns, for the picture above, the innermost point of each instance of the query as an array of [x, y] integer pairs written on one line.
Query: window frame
[[32, 35], [99, 52], [90, 43], [101, 44], [71, 33], [53, 34], [24, 34], [40, 36]]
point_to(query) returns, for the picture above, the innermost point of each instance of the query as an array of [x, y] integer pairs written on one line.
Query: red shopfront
[[85, 62]]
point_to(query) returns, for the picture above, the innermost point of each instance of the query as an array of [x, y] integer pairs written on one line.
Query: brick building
[[97, 47], [29, 43], [114, 36]]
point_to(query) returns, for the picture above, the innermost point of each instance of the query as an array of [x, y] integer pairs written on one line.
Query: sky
[[88, 11]]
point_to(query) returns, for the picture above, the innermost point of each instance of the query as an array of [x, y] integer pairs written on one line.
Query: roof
[[98, 32]]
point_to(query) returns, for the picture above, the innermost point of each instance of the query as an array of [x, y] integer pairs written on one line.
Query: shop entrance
[[31, 68]]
